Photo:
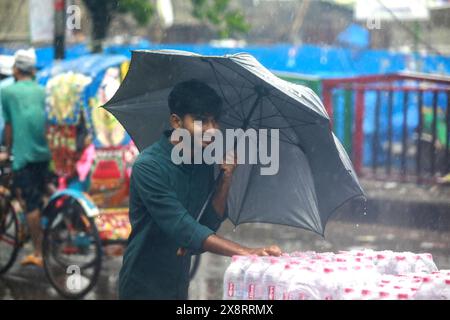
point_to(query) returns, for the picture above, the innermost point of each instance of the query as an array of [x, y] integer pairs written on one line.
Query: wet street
[[31, 283]]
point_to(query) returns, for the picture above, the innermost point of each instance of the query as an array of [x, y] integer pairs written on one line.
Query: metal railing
[[397, 122]]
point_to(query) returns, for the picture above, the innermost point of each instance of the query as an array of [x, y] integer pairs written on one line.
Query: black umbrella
[[315, 175]]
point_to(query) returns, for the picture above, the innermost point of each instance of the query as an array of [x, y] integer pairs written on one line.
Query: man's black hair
[[194, 97], [26, 73]]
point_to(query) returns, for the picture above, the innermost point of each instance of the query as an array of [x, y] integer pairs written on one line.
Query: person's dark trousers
[[30, 181]]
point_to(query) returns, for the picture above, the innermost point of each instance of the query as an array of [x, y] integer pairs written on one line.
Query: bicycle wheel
[[72, 252], [195, 263], [9, 235]]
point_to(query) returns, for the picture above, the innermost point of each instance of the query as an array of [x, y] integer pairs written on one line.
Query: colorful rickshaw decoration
[[91, 151]]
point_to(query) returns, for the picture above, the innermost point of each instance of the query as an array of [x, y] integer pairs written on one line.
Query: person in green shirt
[[165, 199], [23, 105]]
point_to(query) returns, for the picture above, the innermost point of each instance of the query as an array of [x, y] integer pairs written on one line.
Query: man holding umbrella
[[166, 197], [315, 176]]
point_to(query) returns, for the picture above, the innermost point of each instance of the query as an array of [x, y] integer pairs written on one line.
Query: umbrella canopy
[[315, 175]]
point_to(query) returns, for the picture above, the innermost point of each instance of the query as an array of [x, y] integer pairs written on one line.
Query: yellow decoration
[[107, 129], [124, 69], [63, 94]]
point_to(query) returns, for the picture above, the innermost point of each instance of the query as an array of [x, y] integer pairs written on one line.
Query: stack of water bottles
[[346, 275]]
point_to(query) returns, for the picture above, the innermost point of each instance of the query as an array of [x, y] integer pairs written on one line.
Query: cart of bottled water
[[346, 275]]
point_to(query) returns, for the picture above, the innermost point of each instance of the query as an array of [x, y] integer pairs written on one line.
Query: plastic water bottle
[[414, 283], [395, 293], [230, 280], [424, 263], [399, 289], [233, 283], [304, 254], [356, 275], [443, 272], [382, 261], [385, 292], [345, 282], [327, 284], [348, 275], [303, 285], [348, 293], [443, 291], [426, 290], [282, 291], [325, 255], [270, 278], [403, 295], [253, 285], [369, 293], [410, 262]]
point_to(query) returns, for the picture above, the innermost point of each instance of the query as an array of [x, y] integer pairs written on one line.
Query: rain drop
[[365, 207]]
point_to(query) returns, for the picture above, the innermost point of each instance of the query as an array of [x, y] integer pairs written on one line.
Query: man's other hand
[[230, 163], [266, 251]]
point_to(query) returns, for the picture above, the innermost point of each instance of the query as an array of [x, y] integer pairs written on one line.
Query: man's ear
[[175, 121]]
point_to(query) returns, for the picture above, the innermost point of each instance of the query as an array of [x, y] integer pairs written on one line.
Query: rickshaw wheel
[[72, 251], [9, 235]]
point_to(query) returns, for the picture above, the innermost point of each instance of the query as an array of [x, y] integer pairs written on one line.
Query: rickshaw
[[92, 157]]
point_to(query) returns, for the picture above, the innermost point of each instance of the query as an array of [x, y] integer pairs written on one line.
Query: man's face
[[191, 123]]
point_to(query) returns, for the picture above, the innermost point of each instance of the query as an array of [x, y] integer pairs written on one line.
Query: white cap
[[25, 60], [6, 65]]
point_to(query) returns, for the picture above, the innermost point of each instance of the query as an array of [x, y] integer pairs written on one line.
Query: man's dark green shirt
[[165, 199]]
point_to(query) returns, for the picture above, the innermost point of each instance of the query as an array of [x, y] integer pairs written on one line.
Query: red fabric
[[107, 169]]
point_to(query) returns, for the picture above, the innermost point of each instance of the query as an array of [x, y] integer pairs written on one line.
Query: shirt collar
[[165, 143], [167, 147]]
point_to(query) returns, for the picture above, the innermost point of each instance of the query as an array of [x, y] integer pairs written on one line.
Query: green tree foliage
[[141, 10], [228, 22], [102, 11]]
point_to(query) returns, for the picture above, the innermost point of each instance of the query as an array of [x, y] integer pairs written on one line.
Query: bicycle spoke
[[9, 239]]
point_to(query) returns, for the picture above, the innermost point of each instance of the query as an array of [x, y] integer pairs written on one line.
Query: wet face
[[191, 123]]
